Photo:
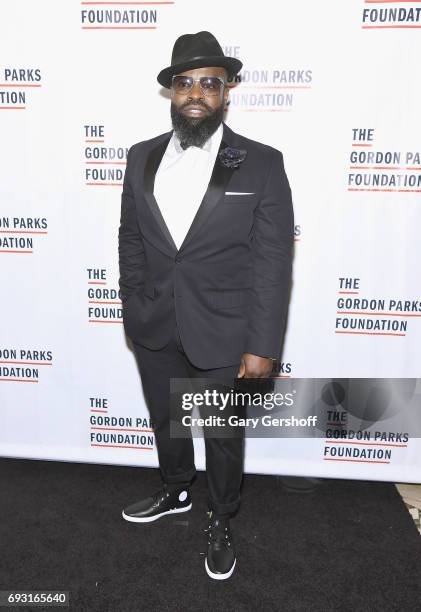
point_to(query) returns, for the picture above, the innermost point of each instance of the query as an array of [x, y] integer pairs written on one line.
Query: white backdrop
[[334, 85]]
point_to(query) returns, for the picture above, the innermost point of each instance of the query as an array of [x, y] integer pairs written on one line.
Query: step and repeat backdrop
[[334, 85]]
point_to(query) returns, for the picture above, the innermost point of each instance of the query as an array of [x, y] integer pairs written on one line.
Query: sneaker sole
[[219, 576], [148, 519]]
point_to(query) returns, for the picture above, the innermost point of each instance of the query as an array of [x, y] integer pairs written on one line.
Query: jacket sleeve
[[272, 244], [130, 246]]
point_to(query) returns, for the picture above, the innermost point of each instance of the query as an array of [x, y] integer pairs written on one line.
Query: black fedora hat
[[197, 51]]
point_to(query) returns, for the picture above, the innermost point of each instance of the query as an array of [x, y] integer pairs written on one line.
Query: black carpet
[[349, 545]]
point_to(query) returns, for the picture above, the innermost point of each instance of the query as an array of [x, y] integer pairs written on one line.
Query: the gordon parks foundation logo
[[381, 170], [256, 89], [343, 444], [16, 86], [23, 365], [104, 302], [109, 431], [20, 234], [122, 15], [367, 420], [372, 315], [393, 15], [104, 164]]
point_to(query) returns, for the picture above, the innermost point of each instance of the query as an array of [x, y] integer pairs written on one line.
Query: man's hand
[[253, 366]]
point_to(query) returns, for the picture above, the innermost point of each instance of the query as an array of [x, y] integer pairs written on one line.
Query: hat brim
[[231, 64]]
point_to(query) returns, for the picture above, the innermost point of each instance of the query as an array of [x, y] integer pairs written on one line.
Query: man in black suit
[[205, 253]]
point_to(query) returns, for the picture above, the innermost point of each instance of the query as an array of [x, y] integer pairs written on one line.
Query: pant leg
[[224, 456], [157, 367]]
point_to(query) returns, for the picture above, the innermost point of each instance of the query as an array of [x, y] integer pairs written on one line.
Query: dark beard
[[195, 132]]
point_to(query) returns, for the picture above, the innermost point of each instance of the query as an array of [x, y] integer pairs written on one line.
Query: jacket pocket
[[240, 199]]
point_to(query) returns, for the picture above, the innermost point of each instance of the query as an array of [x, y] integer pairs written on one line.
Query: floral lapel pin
[[231, 157]]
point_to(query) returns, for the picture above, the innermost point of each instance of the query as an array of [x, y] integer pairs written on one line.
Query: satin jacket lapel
[[216, 189], [152, 164]]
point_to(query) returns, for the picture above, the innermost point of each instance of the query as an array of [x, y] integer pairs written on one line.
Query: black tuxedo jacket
[[227, 287]]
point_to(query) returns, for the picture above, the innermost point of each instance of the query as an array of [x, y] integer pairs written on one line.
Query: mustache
[[195, 103]]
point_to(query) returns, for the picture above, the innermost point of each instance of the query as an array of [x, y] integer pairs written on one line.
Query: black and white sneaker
[[220, 558], [158, 504]]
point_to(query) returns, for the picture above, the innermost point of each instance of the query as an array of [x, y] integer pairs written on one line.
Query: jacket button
[[178, 259]]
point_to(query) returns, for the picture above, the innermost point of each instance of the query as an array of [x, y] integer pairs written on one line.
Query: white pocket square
[[239, 193]]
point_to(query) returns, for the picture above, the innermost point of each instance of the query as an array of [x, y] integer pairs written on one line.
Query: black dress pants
[[224, 455]]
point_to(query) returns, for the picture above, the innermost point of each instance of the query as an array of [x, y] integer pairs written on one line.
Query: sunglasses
[[209, 86]]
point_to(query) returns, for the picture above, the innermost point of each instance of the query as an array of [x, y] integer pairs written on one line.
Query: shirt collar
[[209, 146]]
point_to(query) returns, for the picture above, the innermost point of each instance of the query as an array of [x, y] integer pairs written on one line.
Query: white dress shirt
[[181, 182]]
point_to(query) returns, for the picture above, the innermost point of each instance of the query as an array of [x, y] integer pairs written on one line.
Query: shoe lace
[[218, 532]]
